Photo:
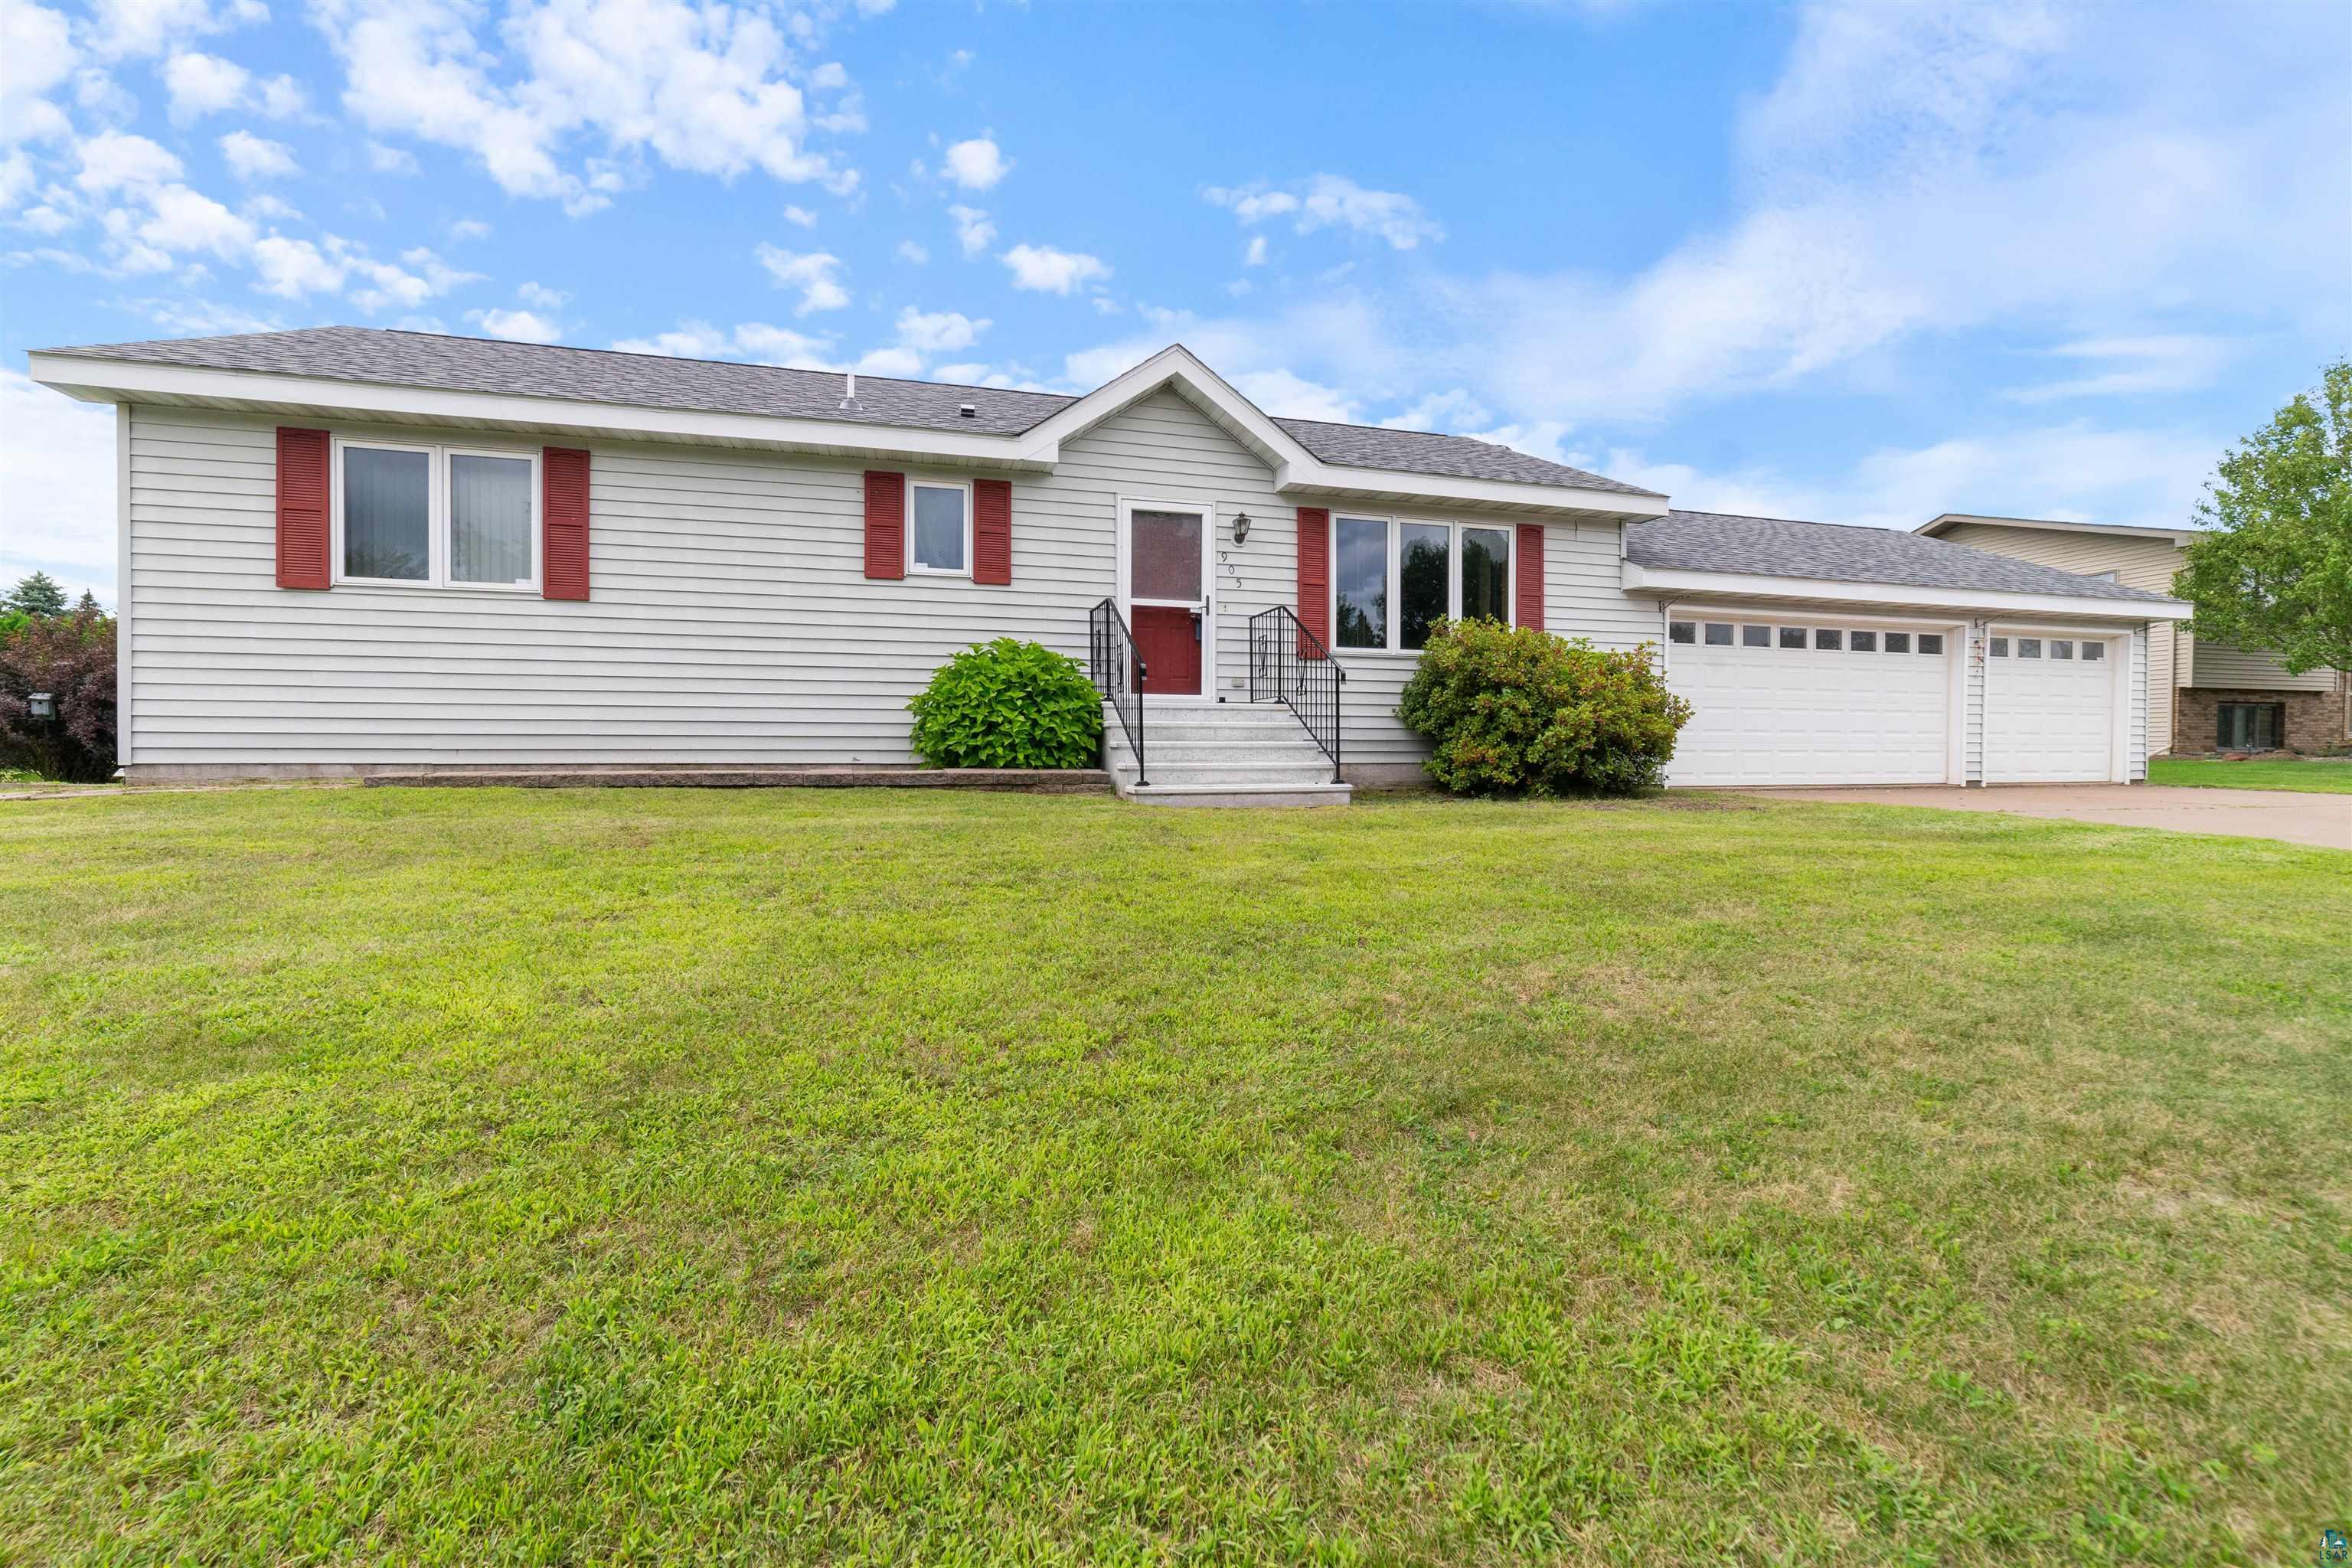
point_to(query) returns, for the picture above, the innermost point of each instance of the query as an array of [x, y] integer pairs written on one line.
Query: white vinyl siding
[[2233, 668], [730, 620]]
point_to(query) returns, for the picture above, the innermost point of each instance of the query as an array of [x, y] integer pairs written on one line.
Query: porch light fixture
[[41, 704], [1241, 529]]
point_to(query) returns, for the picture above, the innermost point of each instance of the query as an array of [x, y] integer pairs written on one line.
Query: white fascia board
[[123, 380], [1936, 527], [1367, 486], [1638, 579]]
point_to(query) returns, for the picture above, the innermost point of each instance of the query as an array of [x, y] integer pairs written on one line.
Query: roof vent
[[849, 404], [967, 411]]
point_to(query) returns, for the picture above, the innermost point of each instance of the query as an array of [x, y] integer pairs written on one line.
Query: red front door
[[1168, 641], [1166, 549]]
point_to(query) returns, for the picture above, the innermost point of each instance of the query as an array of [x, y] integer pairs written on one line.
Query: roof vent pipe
[[849, 399]]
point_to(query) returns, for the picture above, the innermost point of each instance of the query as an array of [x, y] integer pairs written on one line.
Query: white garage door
[[2049, 708], [1782, 701]]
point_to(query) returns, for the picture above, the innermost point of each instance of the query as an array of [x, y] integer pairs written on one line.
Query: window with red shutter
[[563, 521], [991, 531], [304, 535], [885, 524], [1315, 573], [1530, 606]]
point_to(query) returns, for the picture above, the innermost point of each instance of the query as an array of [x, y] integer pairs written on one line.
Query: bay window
[[1392, 581], [435, 516]]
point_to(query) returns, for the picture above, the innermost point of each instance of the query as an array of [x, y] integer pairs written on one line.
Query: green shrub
[[1008, 704], [1515, 711]]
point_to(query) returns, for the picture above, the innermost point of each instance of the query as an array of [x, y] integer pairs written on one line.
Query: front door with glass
[[1165, 576]]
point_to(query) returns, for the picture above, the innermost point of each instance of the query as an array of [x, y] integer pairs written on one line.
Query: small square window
[[1719, 634], [1756, 637], [1865, 642], [941, 539], [1828, 638], [2061, 648], [1682, 631], [1793, 636], [2000, 647], [1931, 642], [2029, 647], [1898, 642], [2095, 650]]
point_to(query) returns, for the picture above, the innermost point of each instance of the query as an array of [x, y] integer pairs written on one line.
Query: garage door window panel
[[2029, 647], [1682, 631], [1932, 642], [1719, 634], [2095, 650], [2061, 648], [1793, 636], [1866, 642], [1828, 640]]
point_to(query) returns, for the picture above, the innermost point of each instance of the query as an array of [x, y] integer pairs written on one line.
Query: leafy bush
[[1516, 710], [71, 657], [1008, 704]]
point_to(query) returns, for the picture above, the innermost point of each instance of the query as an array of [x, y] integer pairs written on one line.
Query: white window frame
[[1396, 525], [915, 568], [439, 515]]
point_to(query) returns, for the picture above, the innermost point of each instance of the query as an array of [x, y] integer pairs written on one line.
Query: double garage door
[[1778, 700]]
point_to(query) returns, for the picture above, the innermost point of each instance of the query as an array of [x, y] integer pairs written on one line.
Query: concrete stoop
[[1221, 753]]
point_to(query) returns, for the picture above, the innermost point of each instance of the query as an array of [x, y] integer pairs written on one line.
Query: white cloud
[[39, 48], [469, 228], [706, 89], [1452, 411], [1281, 393], [546, 299], [974, 232], [1050, 271], [909, 251], [942, 331], [1332, 201], [754, 340], [250, 157], [420, 276], [292, 267], [270, 209], [113, 161], [56, 486], [202, 84], [800, 215], [125, 28], [1256, 255], [2176, 362], [816, 274], [901, 361], [182, 220], [977, 165], [517, 326], [2080, 469], [282, 98], [386, 159]]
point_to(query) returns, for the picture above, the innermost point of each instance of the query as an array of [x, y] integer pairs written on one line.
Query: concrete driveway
[[2298, 819]]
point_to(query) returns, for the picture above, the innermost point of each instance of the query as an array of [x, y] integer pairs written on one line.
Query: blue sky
[[1860, 264]]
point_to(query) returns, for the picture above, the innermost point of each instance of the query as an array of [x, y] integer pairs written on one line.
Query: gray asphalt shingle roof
[[1842, 553], [717, 386]]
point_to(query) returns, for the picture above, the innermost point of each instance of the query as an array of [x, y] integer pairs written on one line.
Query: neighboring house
[[346, 550], [2209, 695]]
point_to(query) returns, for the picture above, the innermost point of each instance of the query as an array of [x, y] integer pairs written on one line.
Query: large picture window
[[449, 517], [1392, 581]]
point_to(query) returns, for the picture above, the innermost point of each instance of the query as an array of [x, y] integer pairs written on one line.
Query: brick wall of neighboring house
[[2314, 719]]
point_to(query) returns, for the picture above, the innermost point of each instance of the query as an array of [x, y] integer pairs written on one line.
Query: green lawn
[[2322, 777], [848, 1177]]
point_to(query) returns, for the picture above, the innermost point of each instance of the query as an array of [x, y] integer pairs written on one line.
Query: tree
[[38, 594], [2274, 572]]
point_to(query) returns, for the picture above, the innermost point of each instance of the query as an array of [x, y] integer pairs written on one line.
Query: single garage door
[[2049, 704], [1777, 700]]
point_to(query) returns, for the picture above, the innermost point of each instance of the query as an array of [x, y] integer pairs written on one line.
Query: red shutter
[[303, 457], [885, 524], [1315, 573], [991, 531], [1531, 575], [564, 521]]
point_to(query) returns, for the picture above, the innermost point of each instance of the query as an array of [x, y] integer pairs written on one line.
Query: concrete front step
[[1235, 754], [1158, 793], [1284, 774]]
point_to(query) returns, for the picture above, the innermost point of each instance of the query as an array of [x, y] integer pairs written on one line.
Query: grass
[[2255, 773], [852, 1177]]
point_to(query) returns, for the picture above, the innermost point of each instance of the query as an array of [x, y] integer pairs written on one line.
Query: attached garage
[[1815, 654], [2053, 709], [1785, 697]]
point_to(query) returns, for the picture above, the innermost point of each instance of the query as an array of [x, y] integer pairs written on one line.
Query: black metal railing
[[1118, 674], [1289, 664]]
